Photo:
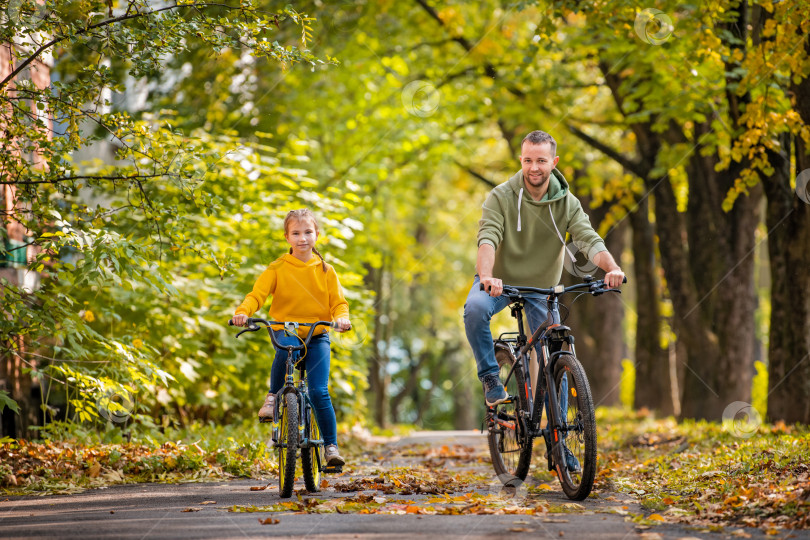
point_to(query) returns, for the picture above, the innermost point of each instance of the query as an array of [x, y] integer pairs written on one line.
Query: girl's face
[[301, 235]]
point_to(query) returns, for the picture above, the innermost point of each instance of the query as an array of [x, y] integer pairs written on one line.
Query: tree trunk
[[604, 364], [19, 385], [788, 222], [653, 388], [600, 347], [377, 373], [697, 339], [721, 246], [466, 400]]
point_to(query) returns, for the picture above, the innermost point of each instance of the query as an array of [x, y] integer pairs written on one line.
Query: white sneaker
[[268, 408], [332, 456]]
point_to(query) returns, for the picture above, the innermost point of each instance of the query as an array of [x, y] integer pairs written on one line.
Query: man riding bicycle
[[521, 241]]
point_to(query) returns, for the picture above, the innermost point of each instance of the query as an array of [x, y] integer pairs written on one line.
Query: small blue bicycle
[[294, 423]]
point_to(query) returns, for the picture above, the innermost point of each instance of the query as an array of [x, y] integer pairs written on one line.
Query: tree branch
[[476, 174], [613, 154], [69, 178], [121, 18]]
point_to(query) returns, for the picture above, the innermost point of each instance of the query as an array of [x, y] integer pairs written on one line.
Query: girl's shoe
[[268, 410], [332, 456]]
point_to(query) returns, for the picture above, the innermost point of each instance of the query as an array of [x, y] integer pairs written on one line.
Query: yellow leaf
[[94, 470], [656, 517]]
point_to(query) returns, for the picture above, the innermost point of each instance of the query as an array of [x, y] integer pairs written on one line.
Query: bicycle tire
[[580, 434], [510, 450], [312, 456], [288, 445]]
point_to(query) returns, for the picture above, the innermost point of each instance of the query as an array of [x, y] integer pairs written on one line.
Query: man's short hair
[[540, 137]]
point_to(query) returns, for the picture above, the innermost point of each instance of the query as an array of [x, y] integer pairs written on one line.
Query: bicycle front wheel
[[288, 444], [578, 433], [509, 446], [312, 456]]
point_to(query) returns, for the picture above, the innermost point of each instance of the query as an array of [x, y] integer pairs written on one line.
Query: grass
[[708, 473]]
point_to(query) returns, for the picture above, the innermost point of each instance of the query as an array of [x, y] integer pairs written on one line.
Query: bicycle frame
[[293, 355], [551, 334]]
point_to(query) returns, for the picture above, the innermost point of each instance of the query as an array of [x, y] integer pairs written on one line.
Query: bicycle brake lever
[[251, 328], [597, 292]]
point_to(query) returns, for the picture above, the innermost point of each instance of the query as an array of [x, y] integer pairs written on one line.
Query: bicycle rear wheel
[[579, 430], [509, 447], [311, 457], [288, 444]]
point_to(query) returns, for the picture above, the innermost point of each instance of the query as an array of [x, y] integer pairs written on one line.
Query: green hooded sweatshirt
[[526, 234]]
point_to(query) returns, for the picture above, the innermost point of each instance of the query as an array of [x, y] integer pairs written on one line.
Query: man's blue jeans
[[479, 310], [317, 366]]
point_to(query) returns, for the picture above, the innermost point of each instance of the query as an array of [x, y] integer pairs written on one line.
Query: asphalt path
[[200, 510]]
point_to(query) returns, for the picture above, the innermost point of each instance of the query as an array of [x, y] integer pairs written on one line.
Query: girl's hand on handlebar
[[240, 320], [341, 325]]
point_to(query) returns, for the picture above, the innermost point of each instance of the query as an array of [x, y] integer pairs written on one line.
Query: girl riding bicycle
[[305, 289]]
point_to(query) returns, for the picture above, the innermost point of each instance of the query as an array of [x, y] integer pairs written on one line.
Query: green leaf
[[6, 401]]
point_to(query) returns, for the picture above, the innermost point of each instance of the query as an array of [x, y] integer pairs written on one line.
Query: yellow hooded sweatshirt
[[301, 291]]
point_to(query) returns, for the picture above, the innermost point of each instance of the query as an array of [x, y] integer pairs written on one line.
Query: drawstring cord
[[573, 259], [520, 198]]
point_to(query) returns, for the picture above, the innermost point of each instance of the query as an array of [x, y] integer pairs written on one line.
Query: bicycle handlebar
[[253, 326], [595, 287]]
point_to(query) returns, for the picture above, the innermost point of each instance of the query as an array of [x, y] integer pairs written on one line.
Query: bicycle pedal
[[332, 470], [265, 420]]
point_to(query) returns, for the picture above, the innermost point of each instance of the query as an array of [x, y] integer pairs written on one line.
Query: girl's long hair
[[301, 215]]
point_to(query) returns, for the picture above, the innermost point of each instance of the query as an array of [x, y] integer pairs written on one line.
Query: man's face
[[537, 162]]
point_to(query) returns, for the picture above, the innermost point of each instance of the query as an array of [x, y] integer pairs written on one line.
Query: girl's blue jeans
[[316, 362]]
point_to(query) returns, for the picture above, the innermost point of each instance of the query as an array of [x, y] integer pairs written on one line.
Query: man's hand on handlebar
[[341, 325], [240, 320], [491, 285], [614, 278]]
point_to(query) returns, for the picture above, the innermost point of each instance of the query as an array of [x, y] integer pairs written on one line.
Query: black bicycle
[[562, 390], [294, 422]]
